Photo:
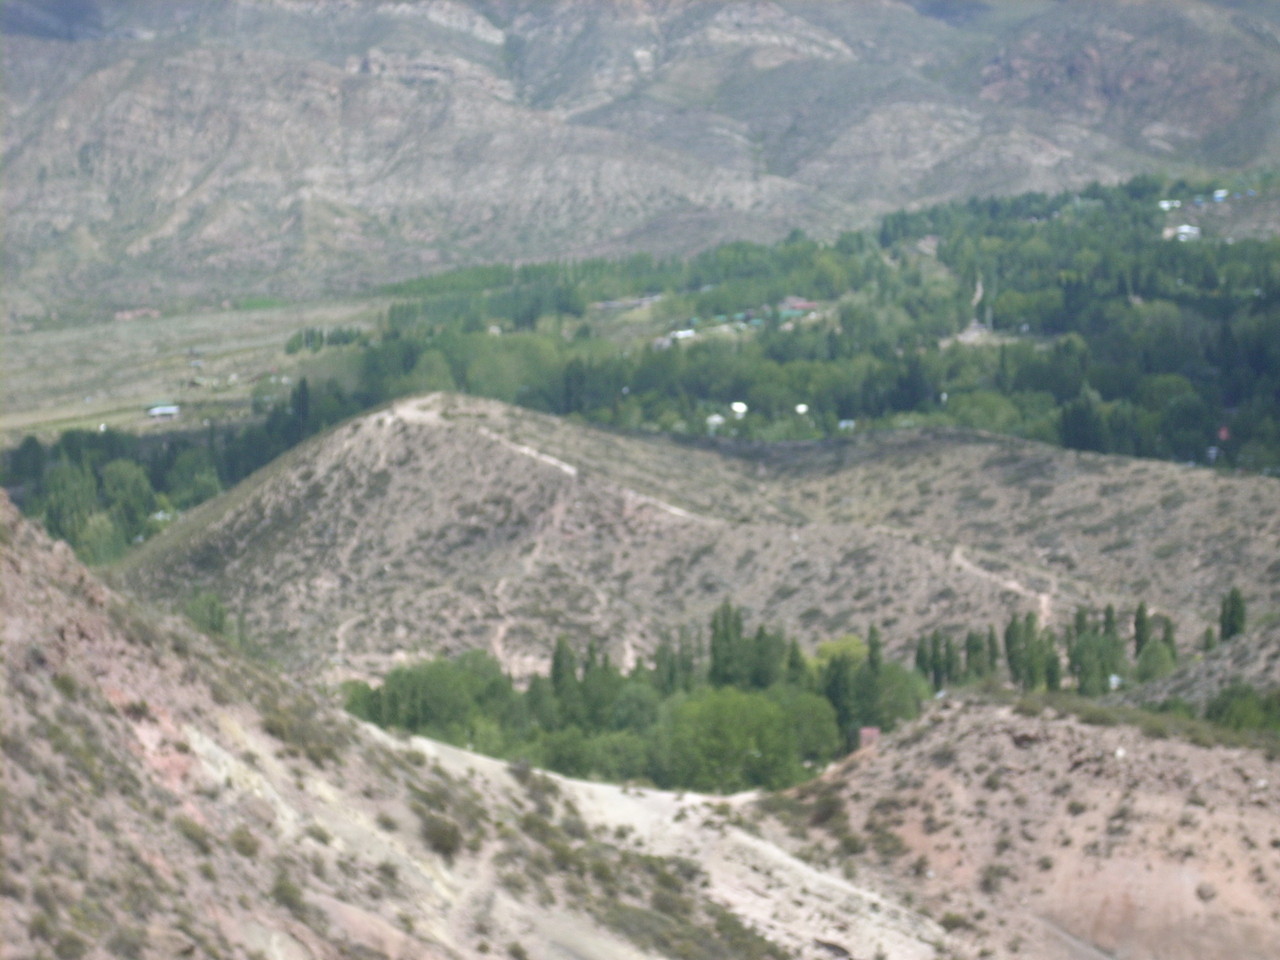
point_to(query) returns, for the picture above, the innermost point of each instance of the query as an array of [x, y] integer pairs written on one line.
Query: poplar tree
[[797, 670], [1141, 629], [1231, 618], [1167, 639], [729, 666]]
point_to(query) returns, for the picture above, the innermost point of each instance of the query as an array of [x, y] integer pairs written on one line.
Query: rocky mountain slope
[[153, 151], [1032, 832], [447, 523], [164, 797]]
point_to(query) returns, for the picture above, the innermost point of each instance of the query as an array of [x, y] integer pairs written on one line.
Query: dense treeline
[[753, 711], [1091, 655], [1104, 335], [1174, 341], [102, 490], [1094, 655]]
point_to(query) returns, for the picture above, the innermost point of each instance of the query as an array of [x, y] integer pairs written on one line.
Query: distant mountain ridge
[[154, 151]]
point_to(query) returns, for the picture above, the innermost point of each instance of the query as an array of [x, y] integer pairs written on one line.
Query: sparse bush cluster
[[244, 842], [288, 894], [195, 833], [299, 723], [441, 834]]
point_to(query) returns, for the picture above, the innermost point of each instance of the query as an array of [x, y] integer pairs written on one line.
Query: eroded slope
[[448, 523], [164, 798]]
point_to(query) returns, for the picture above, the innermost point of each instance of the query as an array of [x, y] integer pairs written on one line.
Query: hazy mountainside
[[446, 523], [163, 797], [154, 150]]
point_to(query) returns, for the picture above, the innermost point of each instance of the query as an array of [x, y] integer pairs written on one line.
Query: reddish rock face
[[1153, 76]]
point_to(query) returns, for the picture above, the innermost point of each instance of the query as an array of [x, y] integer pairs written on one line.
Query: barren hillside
[[446, 523], [1049, 837], [164, 798]]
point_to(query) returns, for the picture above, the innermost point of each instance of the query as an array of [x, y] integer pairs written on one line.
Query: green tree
[[129, 496], [813, 721], [1167, 638], [69, 498], [635, 706], [875, 650], [26, 464], [100, 540], [798, 673], [1036, 652], [542, 704], [600, 686], [899, 695], [1155, 661], [1052, 670], [951, 659], [665, 674], [1082, 425], [192, 479], [568, 751], [729, 664], [620, 755], [1015, 650], [836, 684], [1109, 620], [728, 740], [1088, 664], [1231, 619], [565, 683], [1242, 707], [1141, 629], [767, 651], [975, 655]]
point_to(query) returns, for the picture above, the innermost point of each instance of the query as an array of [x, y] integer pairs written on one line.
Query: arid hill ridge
[[446, 523], [164, 796], [160, 151]]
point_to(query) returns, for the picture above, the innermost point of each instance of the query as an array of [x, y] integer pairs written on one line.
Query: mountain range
[[155, 152]]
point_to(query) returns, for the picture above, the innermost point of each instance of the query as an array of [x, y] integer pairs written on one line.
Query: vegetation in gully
[[750, 710], [753, 711]]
